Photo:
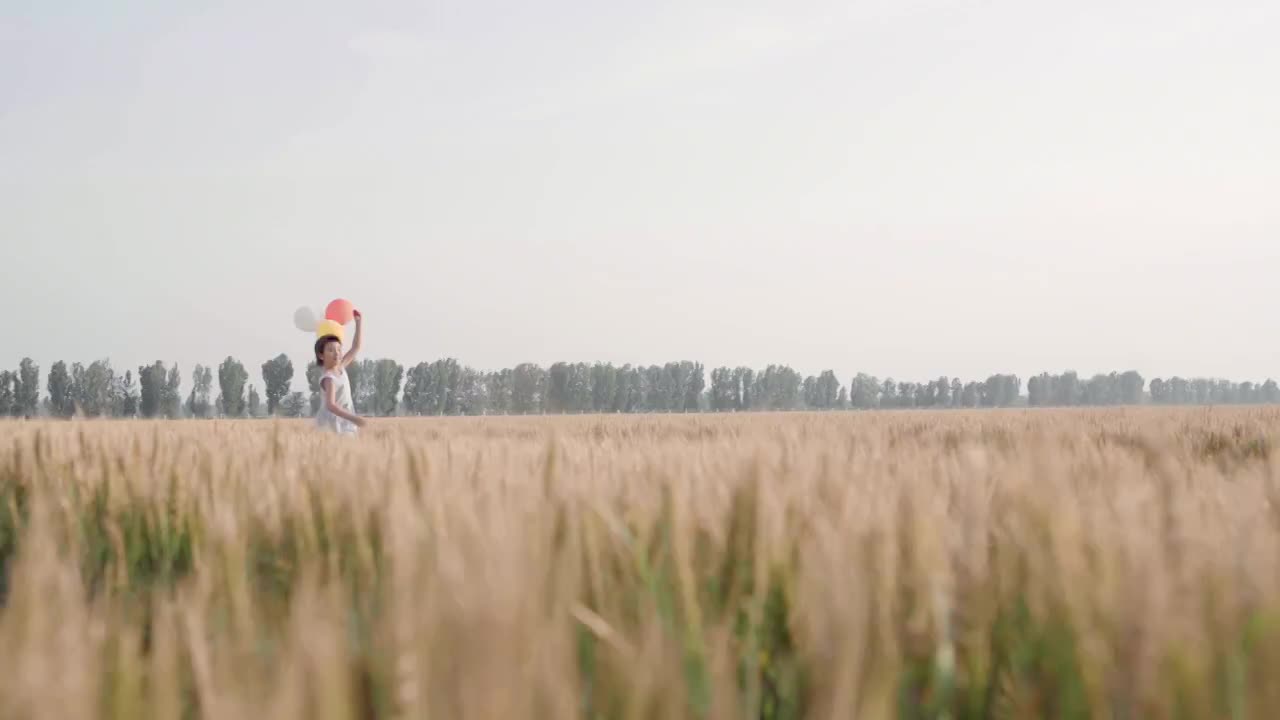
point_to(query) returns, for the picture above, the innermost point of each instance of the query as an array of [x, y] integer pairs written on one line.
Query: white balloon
[[304, 318]]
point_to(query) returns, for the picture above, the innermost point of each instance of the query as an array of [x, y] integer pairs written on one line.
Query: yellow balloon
[[330, 327]]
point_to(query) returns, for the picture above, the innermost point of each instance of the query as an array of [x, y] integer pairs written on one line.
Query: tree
[[375, 386], [580, 398], [358, 374], [417, 389], [232, 378], [1179, 390], [151, 379], [628, 396], [204, 391], [778, 387], [60, 400], [8, 393], [748, 383], [294, 405], [652, 397], [1131, 384], [864, 392], [558, 379], [442, 387], [906, 394], [171, 396], [498, 389], [126, 396], [471, 398], [888, 394], [1001, 390], [387, 376], [446, 387], [828, 390], [277, 375], [942, 393], [192, 404], [198, 403], [696, 382], [723, 395], [443, 396], [528, 387], [27, 393], [1040, 390], [1098, 391], [1246, 393], [822, 392], [1067, 389], [1159, 391], [926, 394], [78, 383], [314, 373], [92, 388], [1200, 391], [604, 386]]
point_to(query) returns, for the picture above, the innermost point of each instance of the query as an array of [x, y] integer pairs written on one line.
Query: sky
[[909, 189]]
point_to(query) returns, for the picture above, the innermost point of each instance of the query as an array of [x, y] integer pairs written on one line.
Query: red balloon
[[339, 311]]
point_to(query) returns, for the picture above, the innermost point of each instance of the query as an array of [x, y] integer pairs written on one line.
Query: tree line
[[384, 388]]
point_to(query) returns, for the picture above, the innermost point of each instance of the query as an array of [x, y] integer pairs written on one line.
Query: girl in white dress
[[336, 412]]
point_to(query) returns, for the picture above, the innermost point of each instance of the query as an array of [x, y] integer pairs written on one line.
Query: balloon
[[330, 327], [304, 318], [340, 311]]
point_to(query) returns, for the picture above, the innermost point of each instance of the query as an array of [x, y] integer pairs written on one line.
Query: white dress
[[326, 420]]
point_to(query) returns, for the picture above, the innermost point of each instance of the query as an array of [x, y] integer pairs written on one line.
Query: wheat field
[[1020, 564]]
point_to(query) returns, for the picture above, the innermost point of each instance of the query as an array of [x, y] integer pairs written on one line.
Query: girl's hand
[[360, 422], [356, 314]]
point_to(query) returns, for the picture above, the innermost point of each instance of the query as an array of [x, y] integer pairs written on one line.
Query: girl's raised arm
[[357, 343]]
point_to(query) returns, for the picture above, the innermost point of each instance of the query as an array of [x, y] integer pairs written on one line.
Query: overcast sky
[[902, 188]]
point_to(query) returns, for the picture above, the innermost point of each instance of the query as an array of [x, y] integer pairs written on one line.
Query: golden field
[[1019, 564]]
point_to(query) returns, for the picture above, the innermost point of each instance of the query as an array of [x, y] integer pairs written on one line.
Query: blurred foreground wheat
[[1120, 563]]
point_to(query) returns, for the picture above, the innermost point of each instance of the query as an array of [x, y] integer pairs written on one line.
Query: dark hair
[[321, 344]]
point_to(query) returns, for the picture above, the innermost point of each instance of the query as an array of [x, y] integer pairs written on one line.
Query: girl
[[336, 412]]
